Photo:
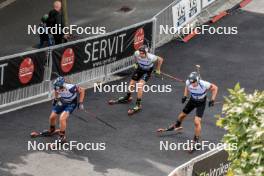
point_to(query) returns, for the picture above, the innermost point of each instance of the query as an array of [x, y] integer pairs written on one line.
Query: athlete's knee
[[64, 116], [131, 85], [182, 115], [140, 86], [197, 122], [53, 116]]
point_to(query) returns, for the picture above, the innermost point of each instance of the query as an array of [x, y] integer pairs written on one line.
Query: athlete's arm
[[81, 91], [56, 95], [185, 93], [214, 90], [159, 63]]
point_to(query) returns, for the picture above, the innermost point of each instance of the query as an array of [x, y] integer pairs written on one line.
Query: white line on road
[[6, 3]]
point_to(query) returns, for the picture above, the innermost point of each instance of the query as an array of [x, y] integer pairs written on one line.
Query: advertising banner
[[216, 164], [22, 71], [100, 51], [184, 11], [206, 3]]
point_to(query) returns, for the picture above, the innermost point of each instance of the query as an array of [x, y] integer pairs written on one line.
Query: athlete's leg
[[198, 119], [63, 120], [128, 97], [63, 124], [52, 121], [143, 79], [186, 110], [140, 86], [135, 78], [197, 128], [182, 116], [178, 123], [131, 88], [195, 144]]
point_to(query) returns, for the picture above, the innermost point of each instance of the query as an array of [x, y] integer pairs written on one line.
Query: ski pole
[[96, 117], [172, 77]]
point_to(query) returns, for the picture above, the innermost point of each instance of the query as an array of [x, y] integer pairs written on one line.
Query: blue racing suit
[[67, 99]]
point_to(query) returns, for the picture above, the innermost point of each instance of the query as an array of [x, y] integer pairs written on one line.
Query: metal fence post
[[49, 78], [154, 30]]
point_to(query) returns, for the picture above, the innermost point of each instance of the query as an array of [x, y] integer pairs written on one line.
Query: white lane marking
[[6, 3]]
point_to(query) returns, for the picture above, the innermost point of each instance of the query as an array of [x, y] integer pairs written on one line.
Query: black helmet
[[194, 77], [143, 48]]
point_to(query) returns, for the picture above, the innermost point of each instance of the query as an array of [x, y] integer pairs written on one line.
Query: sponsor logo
[[181, 14], [193, 8], [26, 70], [139, 38], [220, 171], [67, 60]]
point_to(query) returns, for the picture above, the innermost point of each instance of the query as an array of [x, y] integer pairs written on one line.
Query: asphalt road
[[133, 149]]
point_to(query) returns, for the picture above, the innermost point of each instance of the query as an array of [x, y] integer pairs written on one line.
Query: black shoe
[[174, 127], [47, 133], [61, 139], [124, 99], [194, 146]]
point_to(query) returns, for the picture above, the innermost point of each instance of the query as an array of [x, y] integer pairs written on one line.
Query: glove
[[54, 102], [135, 66], [211, 103], [80, 106], [184, 99], [157, 72]]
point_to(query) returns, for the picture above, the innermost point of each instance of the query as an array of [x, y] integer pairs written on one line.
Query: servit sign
[[99, 51], [104, 47]]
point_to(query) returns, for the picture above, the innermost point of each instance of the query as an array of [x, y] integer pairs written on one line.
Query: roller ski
[[173, 127], [121, 100], [58, 142], [45, 133], [134, 110]]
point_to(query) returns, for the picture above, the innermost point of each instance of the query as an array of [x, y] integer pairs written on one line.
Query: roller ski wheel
[[59, 142], [134, 110], [120, 100], [195, 146], [162, 130], [45, 133]]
